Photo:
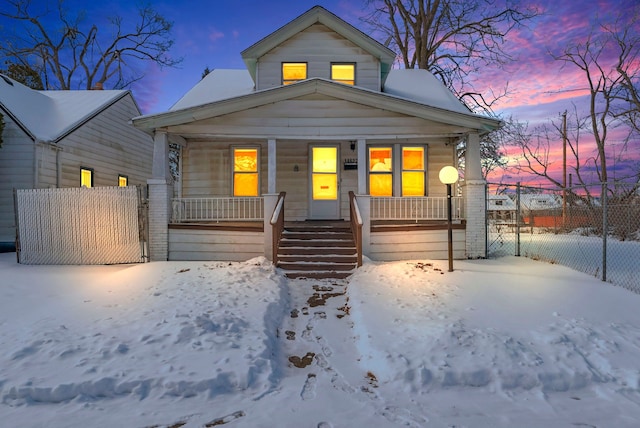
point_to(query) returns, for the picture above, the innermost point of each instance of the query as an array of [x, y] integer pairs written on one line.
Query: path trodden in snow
[[321, 356]]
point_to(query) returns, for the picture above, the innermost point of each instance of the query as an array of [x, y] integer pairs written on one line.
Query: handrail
[[356, 225], [277, 226]]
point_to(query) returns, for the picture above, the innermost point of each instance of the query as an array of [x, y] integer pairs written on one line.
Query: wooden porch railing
[[277, 226], [185, 210], [415, 208], [356, 225]]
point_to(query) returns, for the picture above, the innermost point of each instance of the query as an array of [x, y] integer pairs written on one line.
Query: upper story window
[[86, 177], [344, 73], [123, 180], [293, 72], [245, 171]]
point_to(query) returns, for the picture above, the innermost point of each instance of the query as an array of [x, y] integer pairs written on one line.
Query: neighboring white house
[[501, 208], [319, 112], [539, 201], [67, 139]]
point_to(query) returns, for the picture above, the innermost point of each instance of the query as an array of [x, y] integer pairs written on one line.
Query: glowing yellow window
[[325, 173], [86, 177], [245, 172], [413, 172], [123, 181], [293, 72], [344, 73], [380, 171]]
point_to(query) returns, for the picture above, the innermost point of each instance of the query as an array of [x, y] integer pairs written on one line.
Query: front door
[[325, 195]]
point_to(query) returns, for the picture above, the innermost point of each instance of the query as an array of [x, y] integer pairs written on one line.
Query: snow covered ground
[[509, 342]]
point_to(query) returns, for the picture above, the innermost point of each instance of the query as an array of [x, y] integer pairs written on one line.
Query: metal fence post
[[605, 230], [518, 219]]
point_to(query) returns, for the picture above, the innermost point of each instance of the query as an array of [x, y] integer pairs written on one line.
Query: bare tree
[[609, 60], [69, 53], [453, 39]]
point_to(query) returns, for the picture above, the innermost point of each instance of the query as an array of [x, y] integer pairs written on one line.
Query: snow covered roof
[[423, 87], [50, 115], [539, 201], [501, 203], [413, 85], [218, 85]]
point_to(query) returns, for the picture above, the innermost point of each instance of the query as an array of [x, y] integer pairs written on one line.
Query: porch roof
[[366, 97]]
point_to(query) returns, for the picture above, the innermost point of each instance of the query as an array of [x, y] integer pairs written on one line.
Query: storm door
[[324, 193]]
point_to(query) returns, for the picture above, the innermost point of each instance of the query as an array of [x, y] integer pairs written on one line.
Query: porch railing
[[415, 208], [356, 225], [185, 210], [277, 226]]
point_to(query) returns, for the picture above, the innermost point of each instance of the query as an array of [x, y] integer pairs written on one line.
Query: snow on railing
[[415, 208], [189, 210]]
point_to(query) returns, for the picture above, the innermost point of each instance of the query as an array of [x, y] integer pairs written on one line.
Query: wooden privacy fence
[[101, 225]]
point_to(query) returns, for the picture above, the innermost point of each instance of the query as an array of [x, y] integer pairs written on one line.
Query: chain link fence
[[594, 229]]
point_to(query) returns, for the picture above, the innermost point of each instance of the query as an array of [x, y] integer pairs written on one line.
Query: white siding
[[416, 245], [187, 244], [318, 46], [16, 171], [110, 145]]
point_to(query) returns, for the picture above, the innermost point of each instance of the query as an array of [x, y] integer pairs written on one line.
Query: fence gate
[[101, 225]]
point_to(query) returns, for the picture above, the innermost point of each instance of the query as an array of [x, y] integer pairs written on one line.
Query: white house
[[321, 127], [67, 139], [501, 208]]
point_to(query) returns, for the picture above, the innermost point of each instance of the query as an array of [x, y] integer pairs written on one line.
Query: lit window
[[245, 172], [86, 177], [380, 171], [413, 171], [325, 173], [344, 73], [123, 180], [293, 72]]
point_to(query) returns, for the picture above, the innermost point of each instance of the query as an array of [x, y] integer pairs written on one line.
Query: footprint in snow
[[309, 388]]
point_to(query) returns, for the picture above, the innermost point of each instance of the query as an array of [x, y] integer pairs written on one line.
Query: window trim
[[126, 179], [233, 149], [344, 82], [290, 81], [92, 171]]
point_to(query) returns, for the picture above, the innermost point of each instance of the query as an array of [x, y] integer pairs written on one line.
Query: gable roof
[[318, 14], [218, 85], [51, 115], [317, 86]]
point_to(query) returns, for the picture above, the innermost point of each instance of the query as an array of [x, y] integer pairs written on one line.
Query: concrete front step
[[317, 250], [318, 275]]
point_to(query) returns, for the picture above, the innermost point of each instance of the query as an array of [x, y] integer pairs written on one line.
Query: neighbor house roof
[[318, 14], [51, 115]]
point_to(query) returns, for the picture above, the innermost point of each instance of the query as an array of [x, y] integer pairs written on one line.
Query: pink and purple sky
[[212, 33]]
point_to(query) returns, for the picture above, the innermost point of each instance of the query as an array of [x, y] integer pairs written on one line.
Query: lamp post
[[449, 175]]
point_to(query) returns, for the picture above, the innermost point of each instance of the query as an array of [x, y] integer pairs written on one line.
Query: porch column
[[271, 166], [475, 200], [160, 193], [362, 166], [270, 201]]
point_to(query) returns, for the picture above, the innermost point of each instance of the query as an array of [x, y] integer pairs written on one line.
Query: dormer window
[[344, 73], [293, 72]]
